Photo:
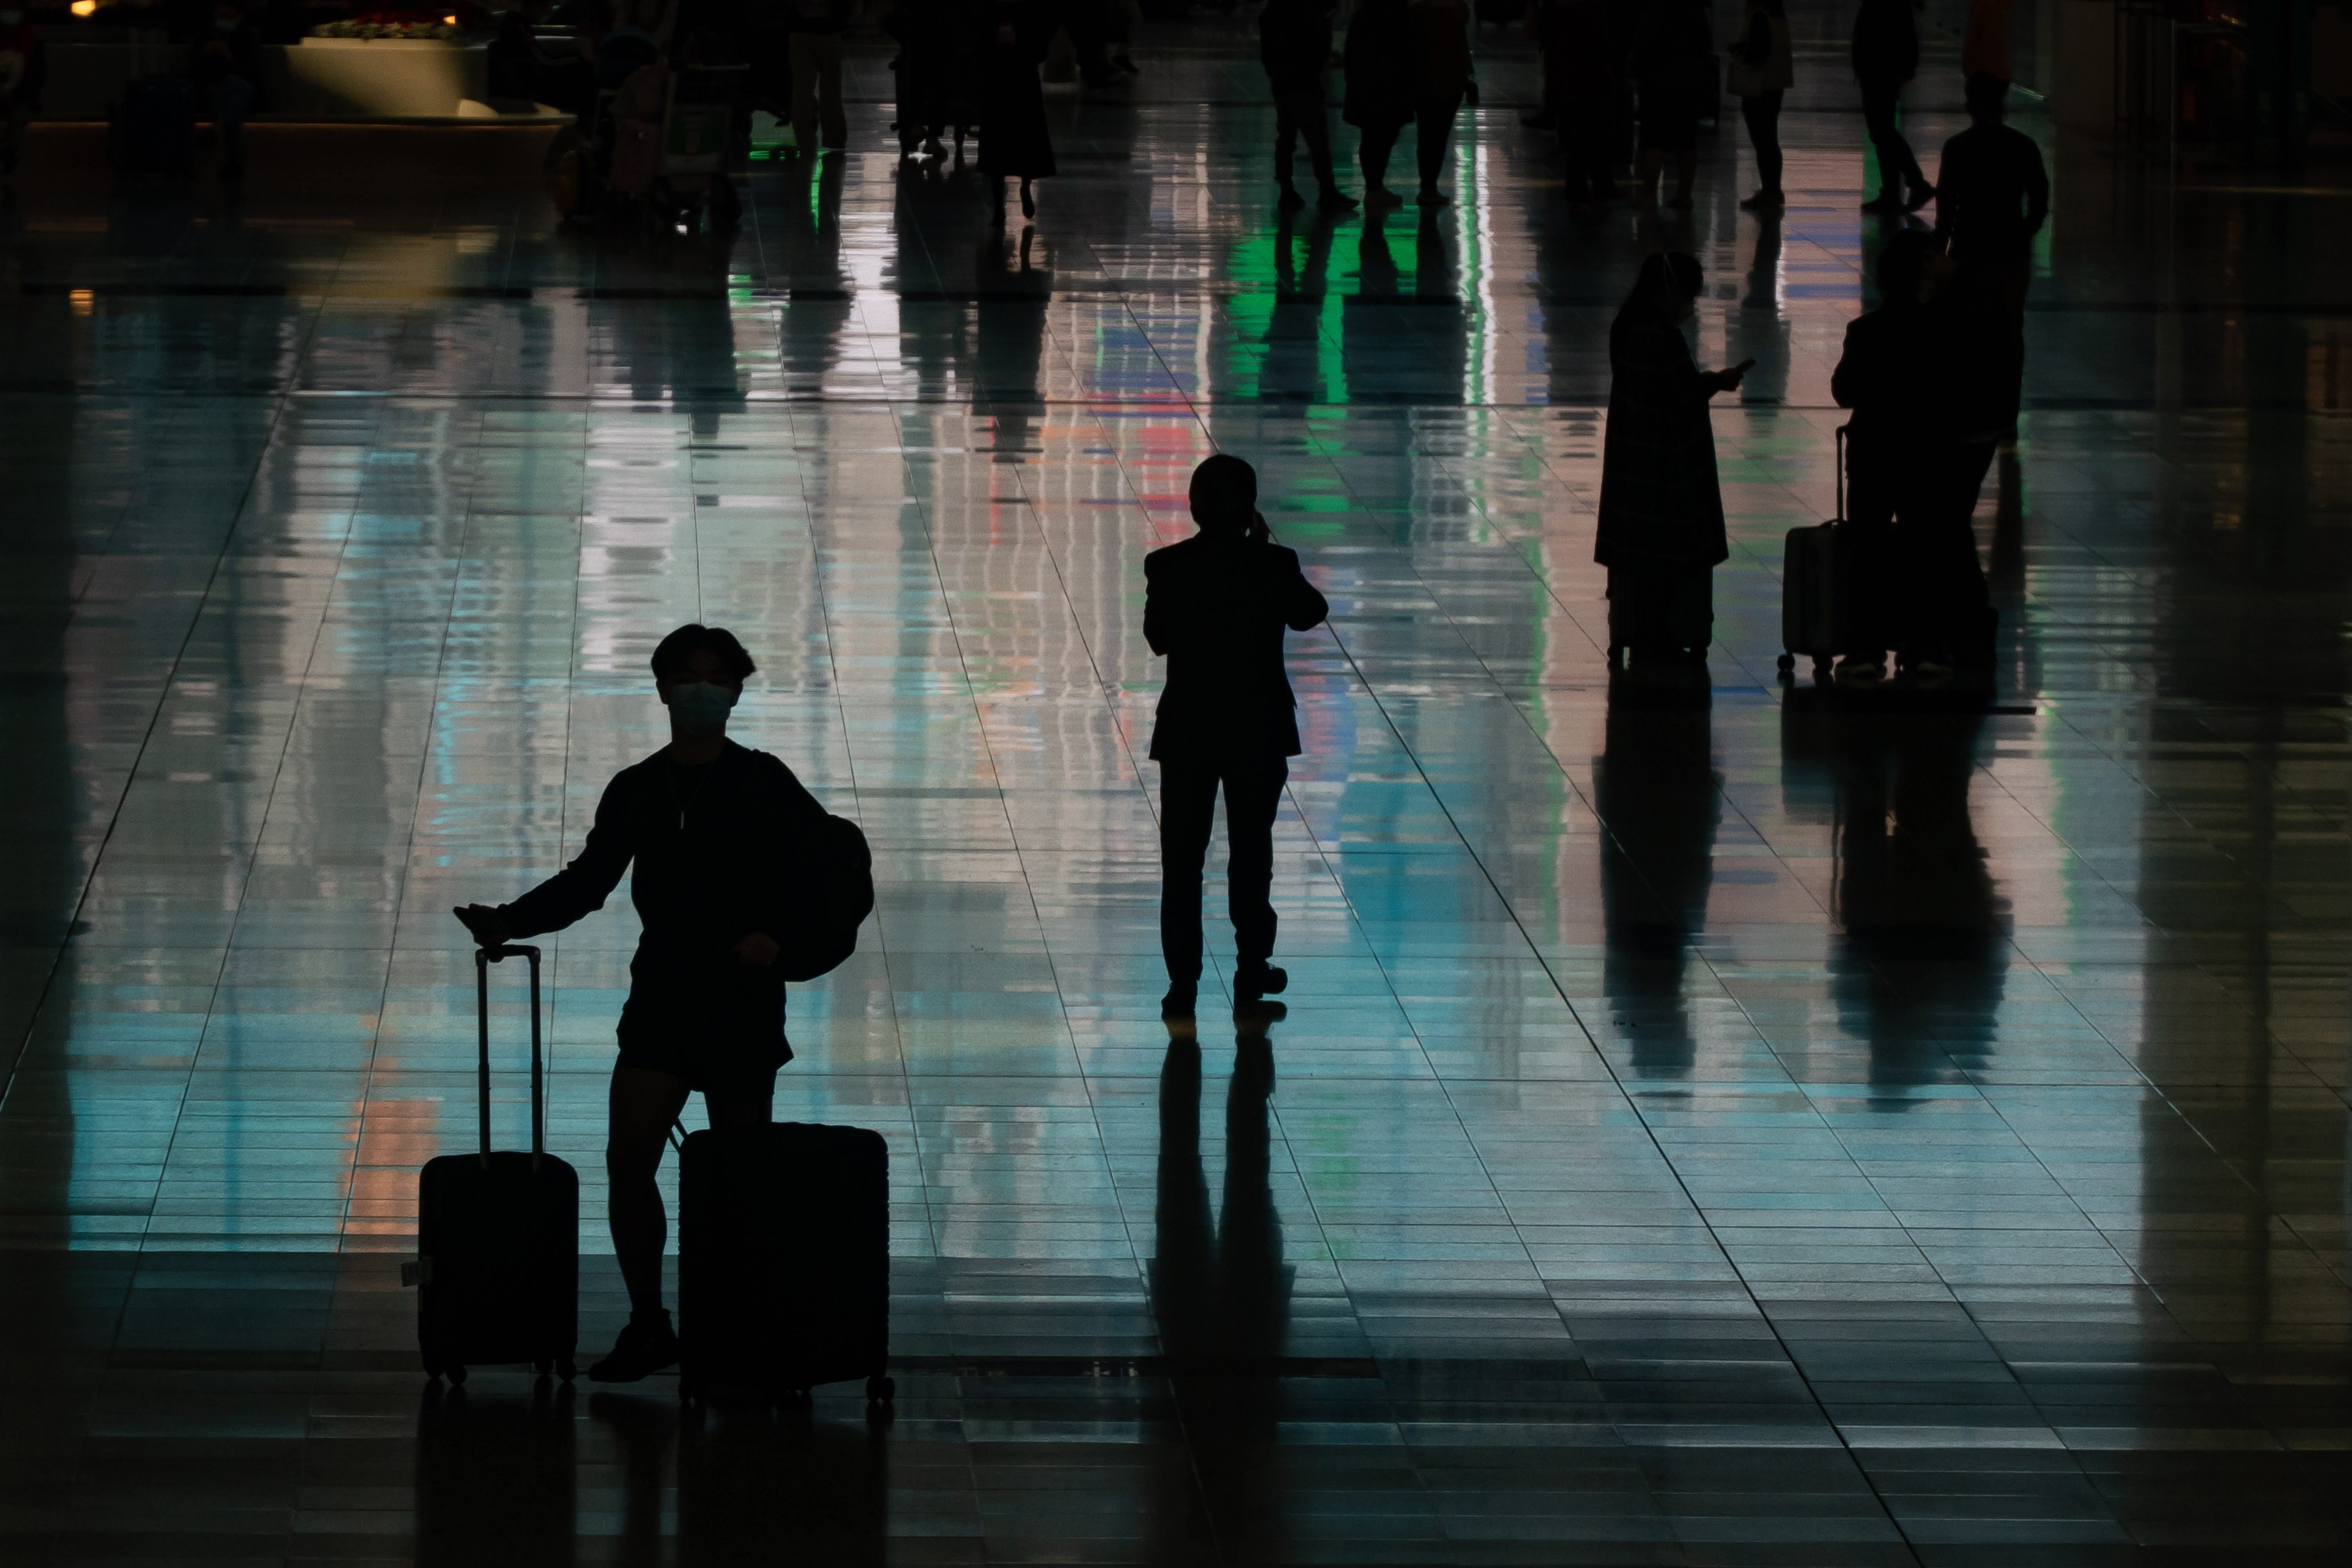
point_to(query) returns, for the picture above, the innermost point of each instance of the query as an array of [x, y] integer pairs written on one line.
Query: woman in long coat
[[1383, 65], [1014, 140], [1661, 531]]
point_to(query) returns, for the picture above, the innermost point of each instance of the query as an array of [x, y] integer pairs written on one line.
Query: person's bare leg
[[641, 1107]]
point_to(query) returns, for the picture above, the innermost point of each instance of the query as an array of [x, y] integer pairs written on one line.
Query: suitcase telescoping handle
[[1841, 470], [483, 958]]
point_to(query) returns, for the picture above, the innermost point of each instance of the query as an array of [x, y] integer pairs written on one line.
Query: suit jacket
[[1217, 607]]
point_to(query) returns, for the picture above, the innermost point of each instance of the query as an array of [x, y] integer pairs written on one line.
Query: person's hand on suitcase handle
[[489, 926]]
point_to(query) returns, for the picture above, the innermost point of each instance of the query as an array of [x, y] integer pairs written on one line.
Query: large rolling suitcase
[[153, 130], [498, 1235], [784, 1259], [1813, 584]]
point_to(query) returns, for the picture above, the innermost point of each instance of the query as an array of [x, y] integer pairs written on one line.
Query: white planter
[[339, 79]]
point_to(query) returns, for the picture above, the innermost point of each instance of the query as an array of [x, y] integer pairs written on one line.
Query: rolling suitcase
[[784, 1259], [153, 130], [1812, 586], [498, 1235]]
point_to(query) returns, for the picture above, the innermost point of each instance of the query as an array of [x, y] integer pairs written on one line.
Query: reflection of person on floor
[[227, 65], [1657, 794], [24, 69], [1222, 1297], [712, 828], [1216, 605], [1661, 525], [1921, 375]]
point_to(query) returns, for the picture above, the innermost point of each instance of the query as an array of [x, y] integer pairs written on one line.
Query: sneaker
[[1253, 980], [1336, 201], [1381, 196], [1180, 1002], [1291, 200], [1921, 195], [647, 1345]]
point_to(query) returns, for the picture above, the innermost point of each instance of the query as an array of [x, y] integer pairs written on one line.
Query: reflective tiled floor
[[1707, 1129]]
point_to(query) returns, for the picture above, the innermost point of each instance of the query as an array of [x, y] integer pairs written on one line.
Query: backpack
[[839, 894]]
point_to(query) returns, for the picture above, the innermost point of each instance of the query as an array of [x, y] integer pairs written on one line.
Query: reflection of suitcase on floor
[[784, 1259], [498, 1235], [1813, 585], [153, 130]]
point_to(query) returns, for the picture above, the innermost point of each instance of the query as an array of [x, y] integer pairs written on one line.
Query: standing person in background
[[1216, 605], [1885, 55], [226, 65], [1984, 47], [1661, 525], [24, 69], [1763, 66], [1014, 143], [1670, 62], [1383, 65], [815, 27], [929, 41], [1294, 43], [1992, 197], [1583, 94], [1445, 78]]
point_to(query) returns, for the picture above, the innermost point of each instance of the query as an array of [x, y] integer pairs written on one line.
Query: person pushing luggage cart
[[742, 883]]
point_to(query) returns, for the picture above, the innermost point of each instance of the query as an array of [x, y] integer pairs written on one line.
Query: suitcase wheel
[[689, 1389], [542, 1367], [1787, 662], [432, 1371], [456, 1374], [880, 1390], [566, 1368]]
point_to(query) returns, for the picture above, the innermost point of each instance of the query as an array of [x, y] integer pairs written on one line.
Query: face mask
[[699, 707]]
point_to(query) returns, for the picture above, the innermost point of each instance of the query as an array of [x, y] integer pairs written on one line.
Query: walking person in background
[[1993, 196], [1444, 78], [1885, 55], [1294, 43], [716, 831], [1763, 67], [1670, 62], [226, 65], [815, 27], [23, 70], [1382, 62], [1582, 94], [1661, 526], [1014, 143], [929, 36], [1216, 605]]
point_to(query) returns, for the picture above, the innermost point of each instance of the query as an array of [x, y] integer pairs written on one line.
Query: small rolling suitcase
[[784, 1259], [153, 130], [498, 1235], [1812, 584]]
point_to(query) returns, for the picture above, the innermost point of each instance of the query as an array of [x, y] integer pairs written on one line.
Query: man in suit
[[1216, 605]]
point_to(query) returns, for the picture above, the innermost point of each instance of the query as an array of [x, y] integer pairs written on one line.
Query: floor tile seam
[[849, 760], [251, 479], [940, 579]]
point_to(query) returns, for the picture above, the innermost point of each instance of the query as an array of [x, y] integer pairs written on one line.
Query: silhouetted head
[[1911, 266], [1988, 96], [700, 671], [1224, 497], [1669, 281]]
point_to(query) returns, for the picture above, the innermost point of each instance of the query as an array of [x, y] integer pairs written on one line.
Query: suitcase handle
[[483, 958], [1841, 468]]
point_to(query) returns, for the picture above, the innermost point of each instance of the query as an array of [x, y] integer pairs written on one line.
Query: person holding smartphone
[[1661, 525]]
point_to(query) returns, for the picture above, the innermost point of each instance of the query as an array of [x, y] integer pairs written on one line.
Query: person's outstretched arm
[[581, 888], [1303, 606]]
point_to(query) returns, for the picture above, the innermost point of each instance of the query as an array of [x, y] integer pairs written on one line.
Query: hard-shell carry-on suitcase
[[1812, 586], [784, 1259], [498, 1235], [153, 129]]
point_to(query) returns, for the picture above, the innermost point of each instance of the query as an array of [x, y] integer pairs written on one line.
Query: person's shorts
[[729, 1070]]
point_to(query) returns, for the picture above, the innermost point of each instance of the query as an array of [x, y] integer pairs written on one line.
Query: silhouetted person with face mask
[[1216, 605], [714, 830]]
